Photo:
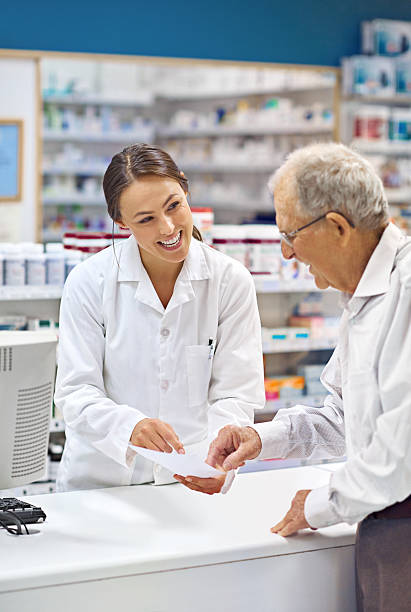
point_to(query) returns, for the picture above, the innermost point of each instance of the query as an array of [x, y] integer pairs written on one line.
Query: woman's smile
[[172, 244]]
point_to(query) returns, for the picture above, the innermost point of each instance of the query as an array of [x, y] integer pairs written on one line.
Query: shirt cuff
[[274, 436], [318, 509]]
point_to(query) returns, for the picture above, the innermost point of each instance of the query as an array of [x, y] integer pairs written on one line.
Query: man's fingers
[[220, 448], [279, 526], [236, 459], [290, 528]]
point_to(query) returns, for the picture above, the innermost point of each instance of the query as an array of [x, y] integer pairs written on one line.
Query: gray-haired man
[[333, 215]]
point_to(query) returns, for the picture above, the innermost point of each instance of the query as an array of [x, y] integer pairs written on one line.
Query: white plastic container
[[371, 122], [35, 269], [230, 239], [203, 219], [72, 259], [263, 244], [55, 264], [14, 266]]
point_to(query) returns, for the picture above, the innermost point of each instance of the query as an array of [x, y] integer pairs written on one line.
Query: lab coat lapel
[[131, 269], [194, 268]]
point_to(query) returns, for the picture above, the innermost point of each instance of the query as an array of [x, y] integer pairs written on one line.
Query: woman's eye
[[173, 205], [145, 220]]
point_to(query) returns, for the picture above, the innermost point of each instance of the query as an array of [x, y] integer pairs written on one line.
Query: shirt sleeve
[[379, 475], [237, 380], [308, 432], [80, 391]]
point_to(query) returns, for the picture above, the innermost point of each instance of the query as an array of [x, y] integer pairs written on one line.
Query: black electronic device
[[15, 514]]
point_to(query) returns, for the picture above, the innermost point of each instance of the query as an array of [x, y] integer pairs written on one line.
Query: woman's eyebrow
[[150, 212]]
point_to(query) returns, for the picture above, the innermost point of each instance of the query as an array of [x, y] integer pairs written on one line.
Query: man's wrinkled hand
[[233, 446], [295, 517]]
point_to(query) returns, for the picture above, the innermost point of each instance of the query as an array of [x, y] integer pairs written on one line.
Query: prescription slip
[[184, 465]]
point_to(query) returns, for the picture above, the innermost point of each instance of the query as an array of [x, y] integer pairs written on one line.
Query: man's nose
[[287, 250]]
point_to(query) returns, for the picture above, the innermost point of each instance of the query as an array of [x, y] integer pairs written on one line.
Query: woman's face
[[156, 211]]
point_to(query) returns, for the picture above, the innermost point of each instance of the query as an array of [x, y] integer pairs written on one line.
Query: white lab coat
[[123, 358]]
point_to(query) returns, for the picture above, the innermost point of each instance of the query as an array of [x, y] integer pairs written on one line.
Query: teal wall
[[316, 32]]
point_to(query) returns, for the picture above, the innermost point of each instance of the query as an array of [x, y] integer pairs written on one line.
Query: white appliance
[[27, 373]]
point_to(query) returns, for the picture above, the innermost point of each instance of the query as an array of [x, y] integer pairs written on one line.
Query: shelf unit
[[247, 130], [157, 108], [393, 151]]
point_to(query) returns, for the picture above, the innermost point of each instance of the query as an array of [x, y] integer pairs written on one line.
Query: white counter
[[157, 549]]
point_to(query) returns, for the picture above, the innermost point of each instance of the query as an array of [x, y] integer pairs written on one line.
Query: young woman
[[159, 336]]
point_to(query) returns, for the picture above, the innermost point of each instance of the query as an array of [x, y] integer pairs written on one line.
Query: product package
[[386, 37]]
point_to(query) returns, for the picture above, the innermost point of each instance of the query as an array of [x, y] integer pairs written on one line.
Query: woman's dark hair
[[132, 163]]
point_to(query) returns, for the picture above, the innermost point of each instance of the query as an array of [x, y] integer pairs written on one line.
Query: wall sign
[[11, 159]]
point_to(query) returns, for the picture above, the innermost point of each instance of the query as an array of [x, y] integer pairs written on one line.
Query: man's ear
[[340, 226]]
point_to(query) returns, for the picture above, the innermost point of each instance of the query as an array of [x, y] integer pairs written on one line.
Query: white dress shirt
[[123, 357], [368, 412]]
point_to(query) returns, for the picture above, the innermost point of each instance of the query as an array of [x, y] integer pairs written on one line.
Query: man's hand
[[295, 517], [203, 485], [233, 446], [156, 435]]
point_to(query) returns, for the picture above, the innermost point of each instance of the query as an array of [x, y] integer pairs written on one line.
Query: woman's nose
[[166, 226]]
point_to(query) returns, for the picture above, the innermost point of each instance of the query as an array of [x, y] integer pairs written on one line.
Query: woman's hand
[[203, 485], [156, 435]]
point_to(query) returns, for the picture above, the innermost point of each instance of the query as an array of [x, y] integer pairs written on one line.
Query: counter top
[[142, 529]]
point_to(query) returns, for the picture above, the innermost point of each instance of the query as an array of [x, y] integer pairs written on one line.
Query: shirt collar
[[132, 269], [375, 279]]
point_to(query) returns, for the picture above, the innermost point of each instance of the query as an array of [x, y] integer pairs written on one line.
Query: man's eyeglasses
[[289, 237]]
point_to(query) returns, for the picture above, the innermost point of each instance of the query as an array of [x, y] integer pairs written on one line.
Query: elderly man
[[333, 216]]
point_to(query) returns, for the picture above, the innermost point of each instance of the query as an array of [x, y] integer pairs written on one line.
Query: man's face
[[311, 246]]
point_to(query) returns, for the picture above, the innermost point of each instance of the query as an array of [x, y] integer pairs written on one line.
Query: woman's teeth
[[172, 242]]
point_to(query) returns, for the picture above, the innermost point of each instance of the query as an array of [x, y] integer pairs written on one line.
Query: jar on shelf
[[203, 219], [35, 265], [55, 264], [230, 239], [400, 124], [263, 254], [14, 266], [371, 122]]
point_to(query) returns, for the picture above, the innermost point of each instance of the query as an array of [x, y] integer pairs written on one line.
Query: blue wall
[[316, 32]]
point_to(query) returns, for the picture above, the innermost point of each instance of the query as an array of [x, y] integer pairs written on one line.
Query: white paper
[[184, 465]]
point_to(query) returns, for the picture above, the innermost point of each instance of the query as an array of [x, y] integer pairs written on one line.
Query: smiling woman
[[160, 347]]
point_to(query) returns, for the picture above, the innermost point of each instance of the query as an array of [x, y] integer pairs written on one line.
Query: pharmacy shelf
[[99, 170], [35, 488], [267, 91], [92, 170], [266, 283], [399, 100], [27, 292], [273, 406], [286, 130], [243, 168], [89, 137], [382, 147], [143, 99], [398, 196], [74, 198], [301, 345]]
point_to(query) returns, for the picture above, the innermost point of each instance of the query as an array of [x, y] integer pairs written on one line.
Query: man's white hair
[[331, 176]]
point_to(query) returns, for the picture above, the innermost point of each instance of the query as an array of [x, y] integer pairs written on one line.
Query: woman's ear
[[121, 224]]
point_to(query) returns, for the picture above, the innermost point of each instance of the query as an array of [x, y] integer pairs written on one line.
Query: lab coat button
[[165, 332], [164, 385]]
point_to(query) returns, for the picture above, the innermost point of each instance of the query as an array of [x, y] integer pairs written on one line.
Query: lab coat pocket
[[198, 365]]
